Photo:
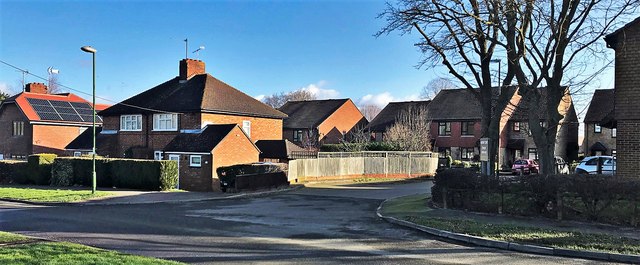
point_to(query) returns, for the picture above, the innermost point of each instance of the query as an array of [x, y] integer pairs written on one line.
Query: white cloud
[[320, 92], [260, 97], [380, 100]]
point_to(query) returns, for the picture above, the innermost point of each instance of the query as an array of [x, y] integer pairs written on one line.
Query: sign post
[[484, 155]]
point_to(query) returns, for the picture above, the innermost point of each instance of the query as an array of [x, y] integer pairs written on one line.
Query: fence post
[[409, 164], [444, 197], [559, 205], [386, 166]]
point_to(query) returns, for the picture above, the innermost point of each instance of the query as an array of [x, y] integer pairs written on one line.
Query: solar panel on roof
[[58, 110]]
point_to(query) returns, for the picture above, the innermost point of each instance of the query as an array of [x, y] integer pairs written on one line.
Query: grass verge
[[413, 208], [64, 253], [49, 195]]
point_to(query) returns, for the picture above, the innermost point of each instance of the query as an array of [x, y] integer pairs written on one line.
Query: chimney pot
[[39, 88], [191, 67]]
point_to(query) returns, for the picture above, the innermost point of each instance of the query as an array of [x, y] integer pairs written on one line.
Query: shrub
[[453, 178], [81, 172], [144, 174], [13, 171], [62, 173], [39, 168]]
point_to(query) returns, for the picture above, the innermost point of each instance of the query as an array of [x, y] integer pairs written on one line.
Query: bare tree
[[410, 132], [552, 44], [53, 84], [310, 139], [278, 99], [370, 111], [455, 33], [434, 86]]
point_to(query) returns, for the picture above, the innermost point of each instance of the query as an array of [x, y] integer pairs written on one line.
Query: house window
[[297, 136], [467, 153], [18, 128], [613, 153], [597, 128], [77, 154], [533, 153], [157, 155], [443, 152], [1, 156], [246, 127], [614, 131], [195, 161], [467, 128], [131, 122], [444, 128], [516, 126], [165, 122]]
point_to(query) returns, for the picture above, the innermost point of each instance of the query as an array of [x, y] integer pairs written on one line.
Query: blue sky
[[259, 47]]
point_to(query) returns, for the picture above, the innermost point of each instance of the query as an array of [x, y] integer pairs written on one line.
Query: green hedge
[[120, 173], [13, 171], [39, 169]]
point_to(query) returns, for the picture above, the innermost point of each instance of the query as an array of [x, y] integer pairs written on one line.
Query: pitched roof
[[388, 115], [203, 141], [200, 93], [612, 38], [277, 148], [601, 105], [520, 112], [309, 113], [62, 108], [455, 104]]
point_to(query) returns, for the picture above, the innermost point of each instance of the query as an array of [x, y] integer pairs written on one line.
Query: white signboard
[[484, 149]]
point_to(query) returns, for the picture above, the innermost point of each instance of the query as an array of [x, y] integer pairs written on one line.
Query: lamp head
[[88, 49]]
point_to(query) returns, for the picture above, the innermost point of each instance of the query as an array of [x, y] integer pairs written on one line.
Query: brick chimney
[[39, 88], [191, 67]]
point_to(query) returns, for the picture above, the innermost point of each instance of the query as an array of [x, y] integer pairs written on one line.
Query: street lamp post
[[499, 90], [91, 50]]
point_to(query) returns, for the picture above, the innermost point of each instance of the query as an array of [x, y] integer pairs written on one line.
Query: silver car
[[589, 165]]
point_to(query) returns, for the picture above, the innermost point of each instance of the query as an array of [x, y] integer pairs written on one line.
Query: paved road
[[318, 225]]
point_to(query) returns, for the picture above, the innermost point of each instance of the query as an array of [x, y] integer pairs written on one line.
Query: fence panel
[[379, 164]]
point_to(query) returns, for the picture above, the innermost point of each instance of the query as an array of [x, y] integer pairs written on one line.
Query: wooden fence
[[348, 165]]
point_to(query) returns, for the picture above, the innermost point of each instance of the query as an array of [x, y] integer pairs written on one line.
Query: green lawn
[[414, 209], [63, 253], [49, 195]]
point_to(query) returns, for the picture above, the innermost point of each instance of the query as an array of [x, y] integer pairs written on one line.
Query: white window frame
[[165, 122], [298, 135], [614, 132], [77, 154], [1, 156], [193, 163], [18, 128], [246, 127], [157, 155], [597, 128], [132, 120]]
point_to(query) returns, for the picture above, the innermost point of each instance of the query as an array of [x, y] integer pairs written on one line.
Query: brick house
[[277, 151], [455, 116], [145, 125], [314, 122], [517, 142], [626, 115], [36, 122], [387, 117], [599, 140]]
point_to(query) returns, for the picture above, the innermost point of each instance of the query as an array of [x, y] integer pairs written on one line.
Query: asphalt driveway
[[321, 224]]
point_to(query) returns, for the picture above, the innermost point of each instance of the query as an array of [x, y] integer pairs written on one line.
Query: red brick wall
[[54, 138], [194, 178], [627, 103], [9, 144], [261, 128], [234, 149], [341, 121], [456, 139]]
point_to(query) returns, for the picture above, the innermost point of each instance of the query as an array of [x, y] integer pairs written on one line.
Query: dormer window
[[165, 122], [131, 122]]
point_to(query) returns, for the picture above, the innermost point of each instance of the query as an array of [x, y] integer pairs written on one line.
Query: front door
[[177, 159]]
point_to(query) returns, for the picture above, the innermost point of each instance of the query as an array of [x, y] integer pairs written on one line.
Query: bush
[[39, 169], [229, 175], [13, 171], [144, 174], [121, 173]]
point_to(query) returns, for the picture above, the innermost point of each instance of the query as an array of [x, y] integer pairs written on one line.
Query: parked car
[[561, 166], [589, 165], [525, 166]]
